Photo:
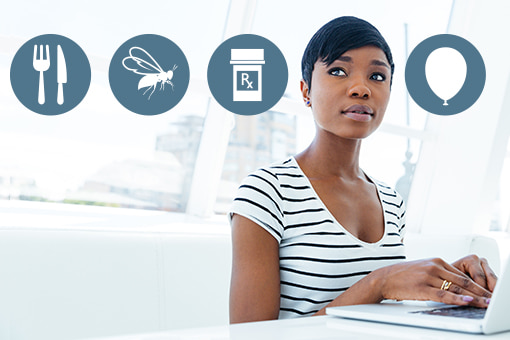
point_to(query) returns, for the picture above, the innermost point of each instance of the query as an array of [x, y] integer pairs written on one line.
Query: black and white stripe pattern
[[319, 259]]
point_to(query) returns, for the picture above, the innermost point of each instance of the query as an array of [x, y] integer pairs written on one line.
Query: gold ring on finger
[[446, 284]]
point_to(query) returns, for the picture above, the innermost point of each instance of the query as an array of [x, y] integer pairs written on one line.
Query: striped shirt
[[319, 259]]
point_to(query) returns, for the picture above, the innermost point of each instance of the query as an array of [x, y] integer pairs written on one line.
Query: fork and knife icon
[[41, 64]]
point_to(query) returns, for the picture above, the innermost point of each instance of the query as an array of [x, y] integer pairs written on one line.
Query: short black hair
[[337, 37]]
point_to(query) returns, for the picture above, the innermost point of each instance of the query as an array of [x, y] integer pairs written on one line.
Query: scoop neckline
[[347, 232]]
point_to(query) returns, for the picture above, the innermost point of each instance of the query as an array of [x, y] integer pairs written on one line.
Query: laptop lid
[[496, 318]]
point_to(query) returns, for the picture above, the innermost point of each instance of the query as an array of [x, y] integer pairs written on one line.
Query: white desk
[[321, 327]]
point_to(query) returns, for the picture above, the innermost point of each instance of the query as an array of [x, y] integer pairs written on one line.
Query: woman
[[315, 231]]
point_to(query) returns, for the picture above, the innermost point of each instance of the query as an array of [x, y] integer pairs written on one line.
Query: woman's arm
[[416, 280], [255, 281]]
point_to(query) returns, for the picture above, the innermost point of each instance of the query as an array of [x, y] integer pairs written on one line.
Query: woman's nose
[[358, 88]]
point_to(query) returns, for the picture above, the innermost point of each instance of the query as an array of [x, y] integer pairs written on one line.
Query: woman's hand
[[436, 280], [478, 270], [430, 279]]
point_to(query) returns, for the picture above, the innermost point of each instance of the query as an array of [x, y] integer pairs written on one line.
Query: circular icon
[[149, 74], [50, 74], [432, 82], [247, 74]]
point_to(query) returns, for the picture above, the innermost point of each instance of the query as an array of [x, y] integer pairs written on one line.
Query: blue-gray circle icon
[[435, 93], [247, 74], [149, 74], [50, 74]]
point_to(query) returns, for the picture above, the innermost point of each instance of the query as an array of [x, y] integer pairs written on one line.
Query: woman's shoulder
[[277, 180], [262, 195]]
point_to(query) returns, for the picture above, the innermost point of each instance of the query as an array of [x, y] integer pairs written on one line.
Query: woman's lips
[[360, 113]]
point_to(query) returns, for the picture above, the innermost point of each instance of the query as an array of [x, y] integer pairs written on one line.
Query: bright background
[[191, 159]]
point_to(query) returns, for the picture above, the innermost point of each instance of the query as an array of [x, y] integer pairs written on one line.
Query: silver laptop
[[440, 316]]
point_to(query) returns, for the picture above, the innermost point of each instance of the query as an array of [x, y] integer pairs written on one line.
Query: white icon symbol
[[247, 74], [445, 70], [152, 72], [245, 79], [61, 75], [41, 65]]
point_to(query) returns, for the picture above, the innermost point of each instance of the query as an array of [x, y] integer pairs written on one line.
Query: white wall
[[457, 175]]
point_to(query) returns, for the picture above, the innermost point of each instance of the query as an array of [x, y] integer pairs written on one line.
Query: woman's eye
[[378, 77], [337, 72]]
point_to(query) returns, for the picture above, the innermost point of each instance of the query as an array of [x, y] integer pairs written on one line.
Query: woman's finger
[[449, 298], [465, 296], [492, 279], [463, 281], [475, 271], [473, 266], [479, 270]]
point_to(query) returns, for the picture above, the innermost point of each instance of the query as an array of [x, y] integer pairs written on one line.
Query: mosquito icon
[[147, 66]]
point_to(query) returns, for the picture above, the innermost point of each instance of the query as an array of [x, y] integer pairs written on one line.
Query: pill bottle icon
[[247, 74]]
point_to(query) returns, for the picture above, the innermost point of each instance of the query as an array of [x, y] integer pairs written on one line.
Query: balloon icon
[[445, 71], [436, 74]]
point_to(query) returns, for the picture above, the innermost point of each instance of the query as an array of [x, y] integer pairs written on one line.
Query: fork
[[41, 65]]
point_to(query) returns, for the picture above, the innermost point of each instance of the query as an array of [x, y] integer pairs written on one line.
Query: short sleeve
[[259, 199]]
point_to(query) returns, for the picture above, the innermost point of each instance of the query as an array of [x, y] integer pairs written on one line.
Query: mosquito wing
[[140, 61]]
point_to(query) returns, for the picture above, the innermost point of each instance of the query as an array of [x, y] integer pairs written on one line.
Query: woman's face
[[349, 97]]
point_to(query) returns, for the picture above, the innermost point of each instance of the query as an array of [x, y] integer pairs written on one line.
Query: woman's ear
[[305, 92]]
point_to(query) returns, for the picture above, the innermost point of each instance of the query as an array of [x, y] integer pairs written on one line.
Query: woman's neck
[[331, 156]]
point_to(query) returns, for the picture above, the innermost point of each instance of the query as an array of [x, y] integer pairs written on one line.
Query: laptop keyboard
[[469, 312]]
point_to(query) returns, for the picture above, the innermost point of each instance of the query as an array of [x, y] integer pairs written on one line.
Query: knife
[[61, 75]]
